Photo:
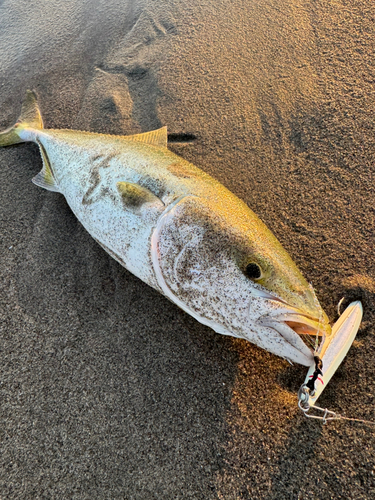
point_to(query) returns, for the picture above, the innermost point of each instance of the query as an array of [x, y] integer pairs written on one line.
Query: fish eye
[[253, 271]]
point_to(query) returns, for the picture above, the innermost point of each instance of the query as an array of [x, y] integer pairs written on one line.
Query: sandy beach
[[108, 390]]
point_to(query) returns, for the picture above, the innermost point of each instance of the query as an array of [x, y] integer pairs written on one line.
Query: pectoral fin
[[45, 178], [135, 196]]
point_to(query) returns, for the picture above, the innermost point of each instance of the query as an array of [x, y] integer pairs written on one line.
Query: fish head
[[220, 263]]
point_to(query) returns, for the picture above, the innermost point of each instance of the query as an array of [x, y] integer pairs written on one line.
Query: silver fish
[[180, 231]]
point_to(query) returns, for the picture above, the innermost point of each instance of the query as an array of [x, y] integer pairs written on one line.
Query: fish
[[180, 231]]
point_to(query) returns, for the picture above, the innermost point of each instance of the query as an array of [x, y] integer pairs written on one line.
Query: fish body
[[180, 231]]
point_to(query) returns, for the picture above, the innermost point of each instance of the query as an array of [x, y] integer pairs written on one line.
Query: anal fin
[[45, 178]]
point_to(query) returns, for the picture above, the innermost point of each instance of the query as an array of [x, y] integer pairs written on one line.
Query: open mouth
[[311, 332], [302, 332]]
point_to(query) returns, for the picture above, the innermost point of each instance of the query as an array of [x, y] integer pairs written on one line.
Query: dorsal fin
[[157, 137], [45, 178]]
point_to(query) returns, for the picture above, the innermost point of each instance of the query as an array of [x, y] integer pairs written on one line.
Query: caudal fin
[[30, 118]]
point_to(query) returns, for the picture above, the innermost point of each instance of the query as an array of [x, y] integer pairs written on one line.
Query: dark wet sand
[[107, 389]]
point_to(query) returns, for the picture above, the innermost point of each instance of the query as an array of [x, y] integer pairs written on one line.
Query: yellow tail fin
[[30, 118]]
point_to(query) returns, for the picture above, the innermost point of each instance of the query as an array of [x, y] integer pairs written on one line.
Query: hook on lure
[[334, 349]]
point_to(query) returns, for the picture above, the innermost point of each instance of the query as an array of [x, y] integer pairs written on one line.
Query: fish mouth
[[305, 334]]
